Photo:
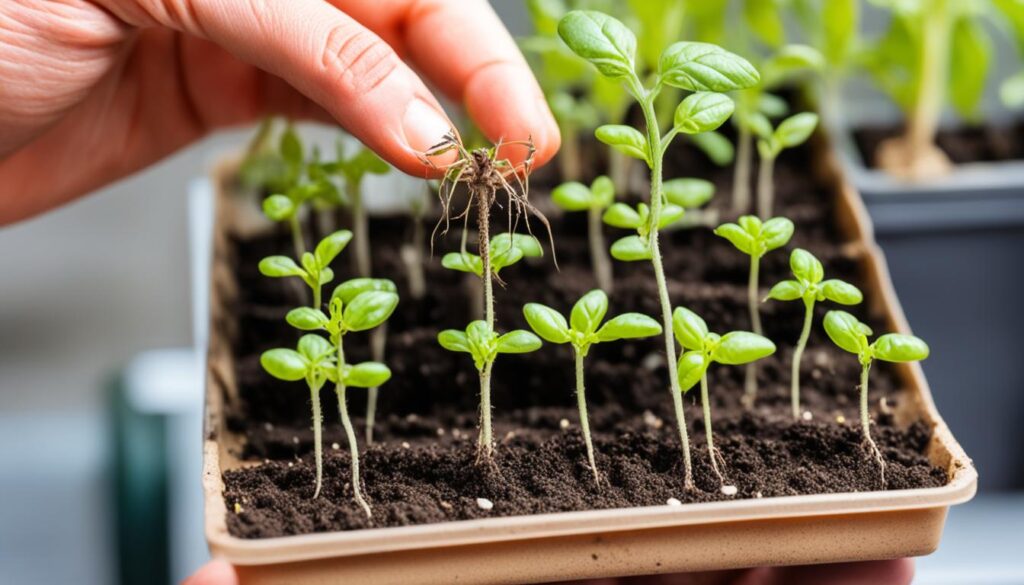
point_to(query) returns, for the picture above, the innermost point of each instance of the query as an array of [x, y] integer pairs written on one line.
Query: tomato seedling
[[316, 266]]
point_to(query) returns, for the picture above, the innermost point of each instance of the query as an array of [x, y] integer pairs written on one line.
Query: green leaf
[[278, 207], [602, 192], [796, 129], [589, 311], [504, 256], [705, 67], [670, 214], [737, 236], [314, 348], [625, 139], [280, 266], [628, 326], [528, 245], [742, 347], [970, 58], [763, 18], [366, 375], [845, 331], [329, 248], [789, 63], [787, 290], [1011, 92], [703, 111], [547, 322], [354, 287], [757, 123], [291, 147], [453, 340], [326, 275], [369, 309], [622, 216], [285, 364], [309, 263], [716, 146], [691, 368], [572, 196], [776, 233], [483, 343], [841, 292], [896, 347], [631, 249], [841, 21], [600, 39], [463, 262], [689, 329], [770, 105], [306, 319], [805, 266], [518, 341], [688, 193]]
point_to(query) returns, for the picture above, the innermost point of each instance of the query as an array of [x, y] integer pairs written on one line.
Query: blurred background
[[100, 396]]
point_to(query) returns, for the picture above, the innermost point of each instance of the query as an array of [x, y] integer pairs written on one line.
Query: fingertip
[[216, 572]]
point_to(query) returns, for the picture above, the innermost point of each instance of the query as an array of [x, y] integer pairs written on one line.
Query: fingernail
[[423, 126]]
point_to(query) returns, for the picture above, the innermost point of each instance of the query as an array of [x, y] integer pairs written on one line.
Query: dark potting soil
[[420, 469], [963, 144]]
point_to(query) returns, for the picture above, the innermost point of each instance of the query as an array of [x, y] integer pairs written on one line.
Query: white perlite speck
[[405, 445], [758, 495], [729, 490], [484, 503], [335, 446], [673, 502], [807, 415], [563, 424]]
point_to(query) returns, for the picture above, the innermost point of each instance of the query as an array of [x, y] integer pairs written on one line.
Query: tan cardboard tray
[[576, 545]]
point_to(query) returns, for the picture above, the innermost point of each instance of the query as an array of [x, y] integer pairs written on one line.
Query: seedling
[[414, 251], [594, 200], [755, 239], [851, 335], [353, 170], [484, 344], [705, 69], [679, 195], [810, 287], [356, 305], [704, 348], [791, 132], [583, 330], [833, 28], [316, 266]]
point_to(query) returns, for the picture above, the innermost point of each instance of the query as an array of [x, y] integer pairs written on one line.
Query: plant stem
[[805, 333], [706, 403], [581, 402], [317, 297], [485, 448], [314, 391], [350, 433], [654, 144], [865, 421], [360, 229], [934, 51], [765, 188], [619, 167], [599, 252], [485, 443], [414, 257], [750, 380], [298, 241], [570, 162], [378, 338], [741, 174]]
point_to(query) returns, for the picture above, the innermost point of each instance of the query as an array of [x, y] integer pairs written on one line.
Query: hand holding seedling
[[151, 77], [851, 335], [704, 348], [583, 330], [810, 287]]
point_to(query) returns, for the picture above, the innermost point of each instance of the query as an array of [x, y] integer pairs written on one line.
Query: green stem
[[798, 355], [314, 391], [619, 167], [360, 229], [581, 402], [765, 188], [934, 51], [865, 422], [317, 297], [599, 251], [378, 338], [706, 404], [570, 161], [485, 444], [741, 174], [750, 380], [298, 241], [654, 144], [350, 434]]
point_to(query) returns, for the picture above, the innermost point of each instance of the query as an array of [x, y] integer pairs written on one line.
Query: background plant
[[791, 132], [356, 305], [701, 68], [315, 270], [851, 335], [810, 287], [704, 348], [583, 330], [575, 196], [755, 239]]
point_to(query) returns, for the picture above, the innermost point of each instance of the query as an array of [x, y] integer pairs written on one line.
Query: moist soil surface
[[963, 144], [420, 469]]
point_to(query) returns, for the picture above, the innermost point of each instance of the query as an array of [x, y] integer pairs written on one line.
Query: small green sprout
[[314, 363], [506, 250], [484, 344], [704, 348], [755, 239], [353, 170], [356, 305], [706, 70], [810, 287], [574, 196], [791, 132], [851, 335], [583, 330], [316, 266]]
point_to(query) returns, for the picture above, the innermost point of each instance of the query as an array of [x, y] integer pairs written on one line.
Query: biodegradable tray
[[576, 545]]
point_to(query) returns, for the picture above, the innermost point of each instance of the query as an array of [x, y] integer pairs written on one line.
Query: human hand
[[91, 91], [215, 572]]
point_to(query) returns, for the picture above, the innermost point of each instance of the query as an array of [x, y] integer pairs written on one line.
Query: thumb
[[213, 573], [325, 54]]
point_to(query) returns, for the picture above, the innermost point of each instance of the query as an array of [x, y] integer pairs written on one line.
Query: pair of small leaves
[[754, 237], [789, 63], [793, 131], [584, 327], [637, 247], [356, 167], [291, 365], [505, 249], [809, 284], [704, 347], [575, 196], [315, 269], [484, 344], [851, 335], [365, 310]]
